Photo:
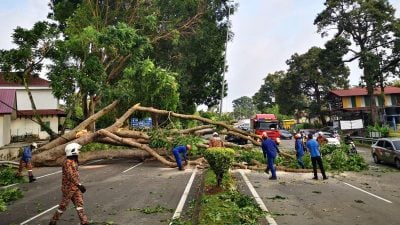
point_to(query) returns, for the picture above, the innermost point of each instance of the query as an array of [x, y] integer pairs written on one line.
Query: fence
[[364, 140]]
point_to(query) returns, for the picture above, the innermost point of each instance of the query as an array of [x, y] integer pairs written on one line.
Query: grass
[[227, 206], [7, 176]]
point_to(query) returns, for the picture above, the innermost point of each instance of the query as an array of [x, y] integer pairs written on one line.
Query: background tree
[[310, 77], [176, 30], [373, 28], [243, 107], [26, 61], [266, 96]]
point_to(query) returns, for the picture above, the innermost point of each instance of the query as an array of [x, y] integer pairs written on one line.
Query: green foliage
[[7, 195], [263, 98], [369, 25], [384, 130], [153, 210], [243, 107], [227, 207], [91, 147], [338, 158], [7, 176], [158, 139], [249, 155], [220, 160]]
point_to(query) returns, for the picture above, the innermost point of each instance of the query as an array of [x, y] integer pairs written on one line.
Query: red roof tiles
[[7, 98], [358, 91]]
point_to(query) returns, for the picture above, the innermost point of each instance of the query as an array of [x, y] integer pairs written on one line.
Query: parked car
[[285, 134], [386, 150], [236, 139], [332, 140]]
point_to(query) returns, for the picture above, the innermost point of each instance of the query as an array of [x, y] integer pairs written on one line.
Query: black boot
[[53, 223], [32, 179]]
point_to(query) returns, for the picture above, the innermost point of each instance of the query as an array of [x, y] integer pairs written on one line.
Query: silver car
[[386, 150]]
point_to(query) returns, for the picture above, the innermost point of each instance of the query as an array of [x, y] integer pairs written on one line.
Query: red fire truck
[[266, 123]]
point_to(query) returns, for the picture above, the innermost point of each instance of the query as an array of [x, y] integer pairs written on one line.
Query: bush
[[220, 160], [7, 176], [340, 159], [8, 195]]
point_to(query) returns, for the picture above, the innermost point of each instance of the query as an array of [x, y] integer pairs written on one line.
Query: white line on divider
[[376, 196], [181, 203], [132, 167], [257, 198], [28, 220]]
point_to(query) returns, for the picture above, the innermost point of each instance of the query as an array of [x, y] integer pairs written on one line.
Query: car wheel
[[376, 160], [397, 162]]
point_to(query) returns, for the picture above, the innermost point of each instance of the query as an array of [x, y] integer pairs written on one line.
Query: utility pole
[[223, 74]]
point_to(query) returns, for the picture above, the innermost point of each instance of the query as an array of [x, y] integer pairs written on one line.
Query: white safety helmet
[[215, 134], [72, 149], [34, 145], [320, 133]]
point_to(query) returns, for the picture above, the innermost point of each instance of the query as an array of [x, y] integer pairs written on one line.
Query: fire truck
[[266, 123]]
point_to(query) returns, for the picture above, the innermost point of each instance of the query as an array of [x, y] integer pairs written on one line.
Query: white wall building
[[16, 115]]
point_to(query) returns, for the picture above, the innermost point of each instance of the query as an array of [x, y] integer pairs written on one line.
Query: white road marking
[[49, 174], [376, 196], [257, 198], [28, 220], [181, 203], [8, 186], [132, 167], [95, 161]]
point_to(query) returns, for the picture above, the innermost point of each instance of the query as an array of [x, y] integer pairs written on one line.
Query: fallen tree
[[53, 153]]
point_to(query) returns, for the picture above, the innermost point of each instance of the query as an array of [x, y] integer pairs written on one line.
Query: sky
[[266, 34]]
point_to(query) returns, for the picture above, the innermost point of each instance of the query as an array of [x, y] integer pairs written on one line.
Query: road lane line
[[181, 203], [95, 161], [376, 196], [8, 186], [257, 198], [49, 174], [30, 219], [132, 167]]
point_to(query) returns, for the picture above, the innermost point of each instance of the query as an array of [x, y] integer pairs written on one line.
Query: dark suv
[[236, 139]]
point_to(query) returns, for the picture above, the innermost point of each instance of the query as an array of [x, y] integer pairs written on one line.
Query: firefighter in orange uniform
[[71, 188], [215, 141]]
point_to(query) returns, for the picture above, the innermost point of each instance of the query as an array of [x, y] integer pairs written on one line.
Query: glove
[[82, 188]]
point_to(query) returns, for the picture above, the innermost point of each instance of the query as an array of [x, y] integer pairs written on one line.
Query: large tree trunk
[[71, 135]]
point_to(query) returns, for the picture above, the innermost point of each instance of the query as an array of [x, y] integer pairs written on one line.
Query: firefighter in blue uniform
[[177, 151], [270, 150], [25, 161]]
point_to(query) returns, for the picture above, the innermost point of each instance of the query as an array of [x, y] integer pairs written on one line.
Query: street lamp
[[223, 74]]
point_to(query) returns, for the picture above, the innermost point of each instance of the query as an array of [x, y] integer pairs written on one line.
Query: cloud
[[19, 13]]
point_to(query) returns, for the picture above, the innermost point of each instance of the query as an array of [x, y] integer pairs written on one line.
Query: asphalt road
[[118, 192], [121, 191], [368, 197]]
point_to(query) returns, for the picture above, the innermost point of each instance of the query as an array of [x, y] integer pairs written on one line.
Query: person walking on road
[[25, 161], [177, 151], [270, 150], [313, 147], [298, 145], [215, 141], [71, 187]]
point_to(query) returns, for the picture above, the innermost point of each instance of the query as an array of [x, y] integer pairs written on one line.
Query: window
[[47, 124], [380, 144], [396, 145]]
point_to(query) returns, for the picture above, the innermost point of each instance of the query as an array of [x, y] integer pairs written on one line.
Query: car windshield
[[396, 145], [284, 131]]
